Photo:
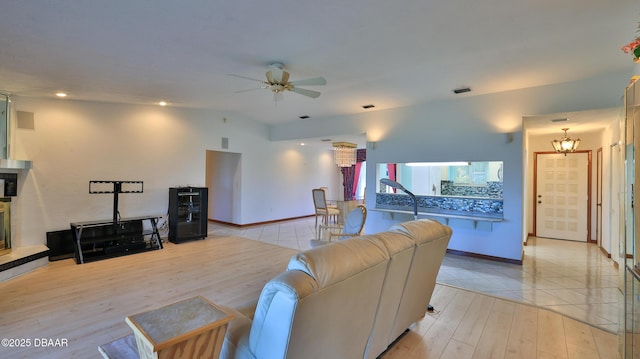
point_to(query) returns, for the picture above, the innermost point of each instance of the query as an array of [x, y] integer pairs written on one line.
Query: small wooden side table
[[192, 328]]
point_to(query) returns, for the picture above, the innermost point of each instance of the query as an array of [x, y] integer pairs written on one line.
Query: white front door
[[562, 196]]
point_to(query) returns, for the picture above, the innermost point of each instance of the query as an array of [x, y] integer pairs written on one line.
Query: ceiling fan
[[278, 82]]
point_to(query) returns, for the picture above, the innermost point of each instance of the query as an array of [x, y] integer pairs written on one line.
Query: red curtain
[[391, 168], [356, 179], [349, 179]]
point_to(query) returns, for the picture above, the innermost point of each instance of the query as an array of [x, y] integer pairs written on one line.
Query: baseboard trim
[[483, 256], [604, 251], [257, 223]]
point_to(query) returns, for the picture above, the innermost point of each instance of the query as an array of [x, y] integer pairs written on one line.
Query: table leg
[[79, 246], [155, 233]]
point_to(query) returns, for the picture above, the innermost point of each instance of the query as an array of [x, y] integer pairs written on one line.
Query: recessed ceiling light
[[368, 106], [304, 117], [461, 90], [61, 94], [301, 143], [162, 103]]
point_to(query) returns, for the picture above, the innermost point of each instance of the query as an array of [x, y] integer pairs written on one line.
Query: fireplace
[[5, 225]]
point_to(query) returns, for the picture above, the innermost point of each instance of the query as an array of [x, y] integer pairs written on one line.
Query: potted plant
[[633, 47]]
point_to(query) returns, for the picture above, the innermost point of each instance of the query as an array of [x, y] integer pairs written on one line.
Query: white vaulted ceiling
[[387, 53]]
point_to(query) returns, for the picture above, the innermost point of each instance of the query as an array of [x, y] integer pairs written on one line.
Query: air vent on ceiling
[[304, 117], [560, 120], [368, 106], [461, 90]]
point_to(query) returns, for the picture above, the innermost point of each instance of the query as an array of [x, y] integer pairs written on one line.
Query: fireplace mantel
[[14, 164]]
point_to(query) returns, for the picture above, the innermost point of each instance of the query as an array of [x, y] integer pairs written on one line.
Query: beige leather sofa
[[348, 299]]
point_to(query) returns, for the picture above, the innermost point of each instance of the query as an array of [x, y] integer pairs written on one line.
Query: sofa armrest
[[247, 309], [234, 344]]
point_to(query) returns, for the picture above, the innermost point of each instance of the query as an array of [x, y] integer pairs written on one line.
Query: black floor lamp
[[394, 184]]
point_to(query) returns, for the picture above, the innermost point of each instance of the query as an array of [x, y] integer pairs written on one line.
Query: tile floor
[[574, 279]]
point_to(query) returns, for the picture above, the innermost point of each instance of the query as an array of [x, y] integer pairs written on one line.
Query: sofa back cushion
[[400, 249], [333, 263], [323, 306], [431, 240]]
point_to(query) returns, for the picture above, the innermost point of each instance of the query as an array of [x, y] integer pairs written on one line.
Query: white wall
[[74, 142], [466, 129], [420, 134]]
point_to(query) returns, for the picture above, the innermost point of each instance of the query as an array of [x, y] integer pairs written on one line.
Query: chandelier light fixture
[[565, 144], [344, 153]]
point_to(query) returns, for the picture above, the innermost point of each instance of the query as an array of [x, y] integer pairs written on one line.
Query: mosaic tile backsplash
[[476, 207], [493, 189]]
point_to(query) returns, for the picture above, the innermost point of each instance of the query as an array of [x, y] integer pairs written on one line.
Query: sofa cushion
[[337, 319], [423, 230], [400, 249], [237, 335], [431, 241], [273, 319], [339, 260]]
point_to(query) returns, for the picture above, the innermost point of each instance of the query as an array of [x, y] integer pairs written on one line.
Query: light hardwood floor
[[466, 324], [86, 305]]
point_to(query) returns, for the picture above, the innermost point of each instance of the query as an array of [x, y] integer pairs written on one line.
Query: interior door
[[599, 197], [562, 196], [615, 204]]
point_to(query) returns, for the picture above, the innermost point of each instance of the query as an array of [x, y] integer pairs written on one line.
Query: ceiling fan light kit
[[277, 80]]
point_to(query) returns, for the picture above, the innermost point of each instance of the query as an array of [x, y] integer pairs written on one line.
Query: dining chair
[[322, 210], [353, 225], [330, 203]]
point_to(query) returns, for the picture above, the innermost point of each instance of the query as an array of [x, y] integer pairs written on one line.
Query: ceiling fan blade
[[285, 77], [270, 78], [246, 78], [305, 92], [316, 81], [253, 89]]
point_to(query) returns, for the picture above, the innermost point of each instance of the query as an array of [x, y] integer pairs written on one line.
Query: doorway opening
[[223, 172]]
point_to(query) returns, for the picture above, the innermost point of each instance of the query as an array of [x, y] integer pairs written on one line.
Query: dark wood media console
[[95, 240]]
